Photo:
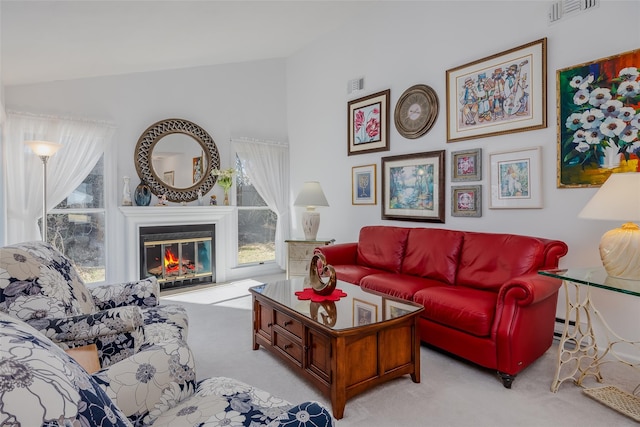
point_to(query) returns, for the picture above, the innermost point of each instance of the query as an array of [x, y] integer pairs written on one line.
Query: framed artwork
[[169, 178], [364, 313], [499, 94], [413, 187], [197, 169], [363, 185], [466, 165], [368, 123], [598, 119], [516, 179], [466, 200], [393, 309]]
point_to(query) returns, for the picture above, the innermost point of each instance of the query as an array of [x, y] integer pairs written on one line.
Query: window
[[76, 226], [256, 222]]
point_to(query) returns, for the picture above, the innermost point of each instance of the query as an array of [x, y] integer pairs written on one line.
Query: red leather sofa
[[483, 298]]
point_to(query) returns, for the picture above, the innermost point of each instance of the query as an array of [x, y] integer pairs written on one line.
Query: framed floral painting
[[499, 94], [598, 119], [368, 123], [466, 165], [413, 187]]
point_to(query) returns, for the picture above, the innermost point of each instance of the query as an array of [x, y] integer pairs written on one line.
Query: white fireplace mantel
[[224, 218]]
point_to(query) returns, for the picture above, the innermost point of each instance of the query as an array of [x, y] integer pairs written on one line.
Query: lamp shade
[[44, 148], [617, 199], [311, 195]]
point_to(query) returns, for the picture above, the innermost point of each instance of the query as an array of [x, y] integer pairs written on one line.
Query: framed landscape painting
[[598, 119], [413, 187], [368, 123], [516, 181], [500, 94]]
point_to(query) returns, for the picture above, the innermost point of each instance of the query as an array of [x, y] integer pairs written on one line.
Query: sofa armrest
[[141, 293], [528, 289], [343, 253], [117, 333], [151, 381]]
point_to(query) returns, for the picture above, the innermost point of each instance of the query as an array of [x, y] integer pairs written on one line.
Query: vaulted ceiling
[[45, 41]]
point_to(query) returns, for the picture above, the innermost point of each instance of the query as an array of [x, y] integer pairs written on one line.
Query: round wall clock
[[416, 111]]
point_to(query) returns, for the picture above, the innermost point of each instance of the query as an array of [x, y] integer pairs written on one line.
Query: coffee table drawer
[[293, 349], [289, 324]]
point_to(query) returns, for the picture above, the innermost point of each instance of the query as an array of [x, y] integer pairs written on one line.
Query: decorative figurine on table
[[322, 276], [213, 201], [162, 200]]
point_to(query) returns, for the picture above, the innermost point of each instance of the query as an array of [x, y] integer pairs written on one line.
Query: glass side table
[[579, 355]]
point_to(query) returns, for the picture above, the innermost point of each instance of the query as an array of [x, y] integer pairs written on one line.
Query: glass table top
[[358, 308], [596, 277]]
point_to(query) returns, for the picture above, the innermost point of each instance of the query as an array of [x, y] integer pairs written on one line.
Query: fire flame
[[171, 261]]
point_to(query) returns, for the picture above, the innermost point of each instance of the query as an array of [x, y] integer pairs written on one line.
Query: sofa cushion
[[466, 309], [397, 285], [433, 253], [354, 273], [36, 281], [382, 247], [489, 260]]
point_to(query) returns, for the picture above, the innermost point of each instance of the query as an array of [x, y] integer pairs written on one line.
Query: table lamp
[[618, 199], [311, 196], [44, 150]]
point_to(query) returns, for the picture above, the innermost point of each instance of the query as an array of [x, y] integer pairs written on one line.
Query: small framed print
[[364, 313], [466, 165], [363, 185], [516, 179], [466, 200], [197, 169], [368, 123]]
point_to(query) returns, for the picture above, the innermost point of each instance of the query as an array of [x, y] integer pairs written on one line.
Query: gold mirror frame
[[143, 160]]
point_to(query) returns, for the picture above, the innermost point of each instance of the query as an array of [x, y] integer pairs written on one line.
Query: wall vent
[[565, 8], [355, 85]]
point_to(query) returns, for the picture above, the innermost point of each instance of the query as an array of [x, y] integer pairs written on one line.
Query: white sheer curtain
[[83, 141], [268, 169]]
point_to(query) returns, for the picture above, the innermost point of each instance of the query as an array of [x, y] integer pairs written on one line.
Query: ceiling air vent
[[565, 8], [355, 85]]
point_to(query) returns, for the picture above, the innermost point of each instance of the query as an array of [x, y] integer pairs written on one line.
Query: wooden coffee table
[[343, 348]]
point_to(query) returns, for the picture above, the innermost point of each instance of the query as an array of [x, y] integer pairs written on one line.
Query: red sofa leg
[[507, 379]]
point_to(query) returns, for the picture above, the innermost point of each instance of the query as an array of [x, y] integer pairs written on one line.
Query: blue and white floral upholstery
[[39, 285], [40, 385]]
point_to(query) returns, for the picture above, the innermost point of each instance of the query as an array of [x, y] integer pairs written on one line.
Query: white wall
[[235, 100], [395, 46]]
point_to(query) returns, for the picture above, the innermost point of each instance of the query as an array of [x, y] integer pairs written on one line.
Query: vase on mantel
[[142, 194], [226, 197]]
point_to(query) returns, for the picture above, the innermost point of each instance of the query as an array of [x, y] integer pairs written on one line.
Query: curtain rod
[[69, 118], [260, 141]]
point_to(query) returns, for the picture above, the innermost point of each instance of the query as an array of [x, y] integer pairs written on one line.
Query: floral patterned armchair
[[40, 385], [40, 286]]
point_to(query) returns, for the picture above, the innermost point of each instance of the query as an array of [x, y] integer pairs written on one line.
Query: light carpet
[[215, 293], [452, 392]]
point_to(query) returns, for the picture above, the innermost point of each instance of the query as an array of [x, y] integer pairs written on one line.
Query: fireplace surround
[[221, 220], [178, 255]]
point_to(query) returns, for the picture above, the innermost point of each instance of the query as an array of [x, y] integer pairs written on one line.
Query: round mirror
[[175, 157]]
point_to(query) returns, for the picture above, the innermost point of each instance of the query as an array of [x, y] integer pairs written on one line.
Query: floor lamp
[[44, 150]]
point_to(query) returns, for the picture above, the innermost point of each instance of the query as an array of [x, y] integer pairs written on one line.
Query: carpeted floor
[[452, 392]]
